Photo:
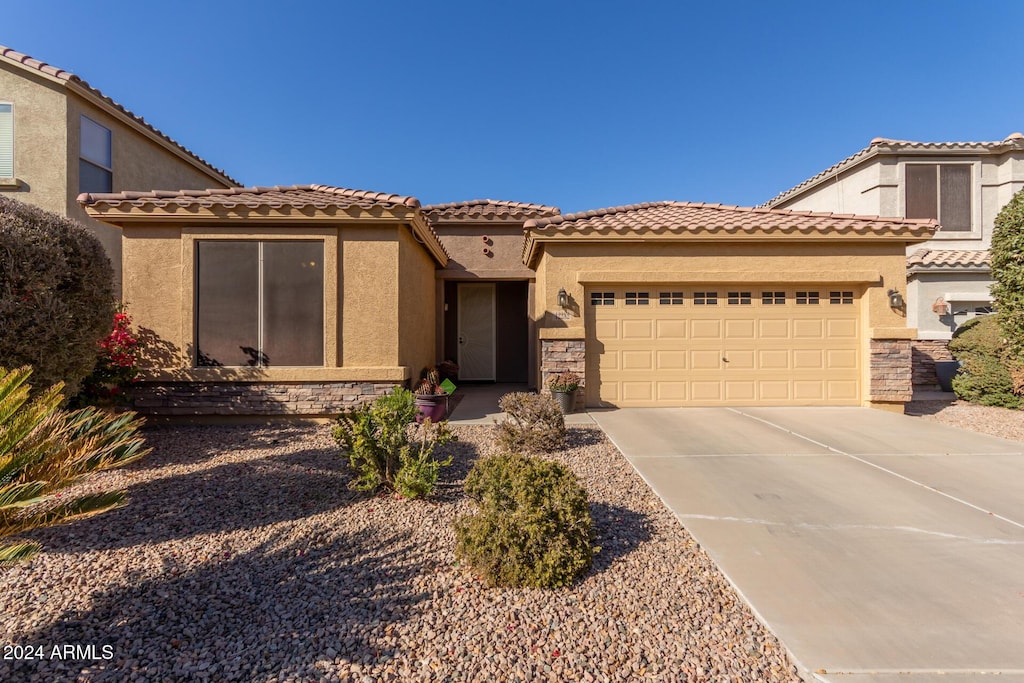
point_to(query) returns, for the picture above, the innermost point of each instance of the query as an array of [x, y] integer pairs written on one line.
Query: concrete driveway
[[877, 547]]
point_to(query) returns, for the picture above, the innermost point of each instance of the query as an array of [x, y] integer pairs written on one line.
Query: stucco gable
[[82, 88], [885, 146]]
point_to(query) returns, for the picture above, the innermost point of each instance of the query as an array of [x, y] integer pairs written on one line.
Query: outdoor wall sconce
[[941, 307], [563, 298], [895, 299]]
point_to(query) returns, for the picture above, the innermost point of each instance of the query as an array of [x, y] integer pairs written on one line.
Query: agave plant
[[44, 450]]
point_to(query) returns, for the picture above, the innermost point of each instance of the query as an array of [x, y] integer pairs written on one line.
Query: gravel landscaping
[[1001, 422], [243, 556]]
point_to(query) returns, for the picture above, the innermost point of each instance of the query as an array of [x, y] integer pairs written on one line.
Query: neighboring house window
[[602, 298], [942, 192], [6, 140], [259, 304], [670, 298], [739, 298], [773, 298], [637, 298], [95, 164]]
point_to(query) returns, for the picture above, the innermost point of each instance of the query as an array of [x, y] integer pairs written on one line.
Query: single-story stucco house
[[308, 299]]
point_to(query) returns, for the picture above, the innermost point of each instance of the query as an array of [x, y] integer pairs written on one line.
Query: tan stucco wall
[[138, 163], [416, 305], [361, 302], [869, 267], [40, 138], [465, 244]]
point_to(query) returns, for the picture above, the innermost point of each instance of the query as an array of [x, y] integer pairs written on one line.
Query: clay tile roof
[[292, 196], [947, 259], [1013, 141], [488, 209], [699, 218], [74, 81]]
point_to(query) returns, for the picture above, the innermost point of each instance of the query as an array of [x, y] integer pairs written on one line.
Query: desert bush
[[533, 528], [44, 450], [1007, 255], [984, 376], [386, 448], [56, 295], [534, 423]]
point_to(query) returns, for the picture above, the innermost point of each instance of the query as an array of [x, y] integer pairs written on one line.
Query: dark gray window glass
[[92, 178], [227, 303], [922, 191], [95, 161], [293, 303], [955, 197], [260, 303]]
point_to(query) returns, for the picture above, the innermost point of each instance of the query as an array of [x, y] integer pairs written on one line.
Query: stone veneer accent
[[925, 353], [255, 398], [563, 355], [891, 371]]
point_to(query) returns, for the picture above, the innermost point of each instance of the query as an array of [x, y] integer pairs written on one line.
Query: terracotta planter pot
[[433, 407]]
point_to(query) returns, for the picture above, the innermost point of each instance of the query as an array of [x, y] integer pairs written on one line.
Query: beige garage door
[[666, 345]]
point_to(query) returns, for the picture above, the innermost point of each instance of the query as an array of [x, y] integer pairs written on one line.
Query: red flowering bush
[[117, 366]]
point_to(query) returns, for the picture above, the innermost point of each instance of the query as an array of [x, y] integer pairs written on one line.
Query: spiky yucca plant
[[44, 450]]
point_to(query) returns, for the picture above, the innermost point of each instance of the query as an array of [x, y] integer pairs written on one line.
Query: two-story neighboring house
[[961, 184], [60, 137]]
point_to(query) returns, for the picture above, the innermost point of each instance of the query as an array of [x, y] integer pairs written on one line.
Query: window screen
[[955, 197], [95, 164], [922, 191], [259, 303]]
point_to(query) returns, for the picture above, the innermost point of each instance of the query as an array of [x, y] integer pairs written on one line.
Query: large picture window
[[259, 303], [95, 163], [6, 140], [942, 192]]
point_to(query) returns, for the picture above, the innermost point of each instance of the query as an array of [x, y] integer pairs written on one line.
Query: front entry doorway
[[486, 330]]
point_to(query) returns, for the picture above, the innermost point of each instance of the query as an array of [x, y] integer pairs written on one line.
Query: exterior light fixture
[[563, 298], [941, 307], [895, 299]]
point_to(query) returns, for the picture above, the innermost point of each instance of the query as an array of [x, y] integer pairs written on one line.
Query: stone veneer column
[[891, 371], [925, 353], [563, 355]]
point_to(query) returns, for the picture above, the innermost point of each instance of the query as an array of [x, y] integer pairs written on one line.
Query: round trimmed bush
[[984, 377], [533, 528], [56, 295]]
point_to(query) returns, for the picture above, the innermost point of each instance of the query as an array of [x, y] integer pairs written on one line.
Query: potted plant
[[431, 399], [448, 369], [563, 387]]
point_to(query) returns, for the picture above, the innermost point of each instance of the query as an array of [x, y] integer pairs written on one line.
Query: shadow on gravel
[[583, 436], [193, 444], [927, 407], [227, 497], [618, 531], [279, 608]]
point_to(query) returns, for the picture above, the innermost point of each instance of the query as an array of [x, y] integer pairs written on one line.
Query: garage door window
[[705, 298], [739, 298], [773, 298], [840, 297], [803, 298], [638, 298], [602, 298], [670, 298]]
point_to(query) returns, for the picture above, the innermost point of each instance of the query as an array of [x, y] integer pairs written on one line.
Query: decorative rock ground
[[243, 556]]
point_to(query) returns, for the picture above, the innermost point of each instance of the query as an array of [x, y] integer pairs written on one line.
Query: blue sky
[[577, 104]]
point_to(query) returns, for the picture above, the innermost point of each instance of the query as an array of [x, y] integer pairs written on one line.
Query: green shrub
[[534, 423], [44, 450], [386, 448], [56, 295], [533, 528], [984, 375], [1007, 255]]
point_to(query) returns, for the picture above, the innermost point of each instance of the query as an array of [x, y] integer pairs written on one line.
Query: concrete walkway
[[478, 405], [877, 547]]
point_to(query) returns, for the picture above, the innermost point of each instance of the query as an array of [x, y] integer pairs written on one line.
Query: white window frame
[[94, 162], [975, 166], [10, 180]]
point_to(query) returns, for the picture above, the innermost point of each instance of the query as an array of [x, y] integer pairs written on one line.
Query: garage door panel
[[776, 353], [706, 329]]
